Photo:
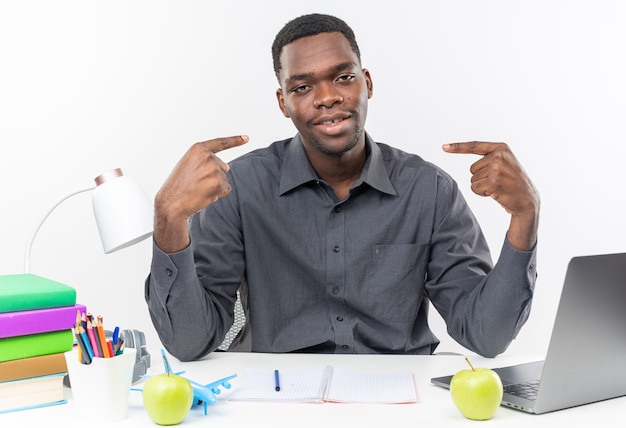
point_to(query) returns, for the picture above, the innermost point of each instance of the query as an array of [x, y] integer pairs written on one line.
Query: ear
[[369, 83], [281, 102]]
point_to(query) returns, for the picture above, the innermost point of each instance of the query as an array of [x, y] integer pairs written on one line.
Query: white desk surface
[[435, 404]]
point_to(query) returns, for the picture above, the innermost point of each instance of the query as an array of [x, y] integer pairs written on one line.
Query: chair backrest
[[238, 323]]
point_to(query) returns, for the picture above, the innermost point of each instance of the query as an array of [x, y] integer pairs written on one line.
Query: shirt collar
[[299, 170], [375, 171]]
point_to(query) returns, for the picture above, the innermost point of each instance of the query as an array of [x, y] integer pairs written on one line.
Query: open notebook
[[326, 384]]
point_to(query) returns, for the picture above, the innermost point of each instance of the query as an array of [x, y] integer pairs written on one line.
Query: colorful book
[[32, 392], [41, 365], [22, 323], [33, 345], [24, 292]]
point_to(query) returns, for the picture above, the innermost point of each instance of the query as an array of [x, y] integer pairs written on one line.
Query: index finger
[[219, 144], [471, 147]]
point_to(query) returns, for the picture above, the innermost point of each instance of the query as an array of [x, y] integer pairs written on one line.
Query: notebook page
[[302, 385], [350, 386]]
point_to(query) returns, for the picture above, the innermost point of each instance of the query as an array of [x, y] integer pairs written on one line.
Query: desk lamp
[[123, 212], [124, 216]]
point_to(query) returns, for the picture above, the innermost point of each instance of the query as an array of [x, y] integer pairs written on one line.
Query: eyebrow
[[334, 69]]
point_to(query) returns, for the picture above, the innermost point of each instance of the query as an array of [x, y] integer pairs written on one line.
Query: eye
[[300, 88], [346, 78]]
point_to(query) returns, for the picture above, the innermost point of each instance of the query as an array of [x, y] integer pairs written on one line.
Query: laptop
[[586, 357]]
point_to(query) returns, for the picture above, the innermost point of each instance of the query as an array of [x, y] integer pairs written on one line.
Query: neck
[[340, 171]]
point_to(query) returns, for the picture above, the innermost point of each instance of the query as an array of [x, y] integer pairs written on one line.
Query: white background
[[88, 86]]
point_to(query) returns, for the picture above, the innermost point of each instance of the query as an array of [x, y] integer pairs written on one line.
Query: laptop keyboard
[[526, 390]]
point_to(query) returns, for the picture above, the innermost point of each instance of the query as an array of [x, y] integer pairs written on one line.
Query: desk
[[435, 404]]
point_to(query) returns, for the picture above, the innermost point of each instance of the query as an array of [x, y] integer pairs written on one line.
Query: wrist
[[170, 229]]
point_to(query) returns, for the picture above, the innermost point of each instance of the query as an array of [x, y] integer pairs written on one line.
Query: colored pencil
[[86, 342], [83, 355], [102, 338], [110, 348], [95, 344]]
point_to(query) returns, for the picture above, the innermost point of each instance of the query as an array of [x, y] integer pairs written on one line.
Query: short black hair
[[310, 25]]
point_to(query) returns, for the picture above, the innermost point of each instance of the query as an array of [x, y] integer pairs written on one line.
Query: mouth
[[331, 120]]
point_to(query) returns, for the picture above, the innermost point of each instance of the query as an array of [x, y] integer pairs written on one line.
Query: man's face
[[324, 91]]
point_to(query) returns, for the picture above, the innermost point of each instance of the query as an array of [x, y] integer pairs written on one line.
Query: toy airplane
[[202, 394], [206, 394]]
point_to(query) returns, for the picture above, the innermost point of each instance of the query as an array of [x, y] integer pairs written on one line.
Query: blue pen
[[116, 333], [277, 380]]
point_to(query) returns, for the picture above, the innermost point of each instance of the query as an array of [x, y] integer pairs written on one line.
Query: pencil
[[79, 318], [119, 347], [83, 354], [110, 348], [85, 341], [97, 349], [102, 338]]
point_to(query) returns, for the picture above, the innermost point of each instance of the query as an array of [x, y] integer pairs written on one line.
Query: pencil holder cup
[[100, 389]]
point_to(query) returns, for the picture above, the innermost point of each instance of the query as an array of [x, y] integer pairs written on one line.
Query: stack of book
[[36, 320]]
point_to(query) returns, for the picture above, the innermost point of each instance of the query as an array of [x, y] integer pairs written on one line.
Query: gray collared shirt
[[323, 275]]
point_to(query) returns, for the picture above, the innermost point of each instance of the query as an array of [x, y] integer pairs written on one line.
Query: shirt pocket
[[395, 285]]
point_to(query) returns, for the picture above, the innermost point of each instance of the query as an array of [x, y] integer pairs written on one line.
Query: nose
[[327, 95]]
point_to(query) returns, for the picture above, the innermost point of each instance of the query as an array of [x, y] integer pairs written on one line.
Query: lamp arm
[[29, 243]]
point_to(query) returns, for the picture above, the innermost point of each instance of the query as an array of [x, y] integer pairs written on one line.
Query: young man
[[336, 242]]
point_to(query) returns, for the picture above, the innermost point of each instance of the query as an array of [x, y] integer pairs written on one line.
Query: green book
[[23, 292], [33, 345]]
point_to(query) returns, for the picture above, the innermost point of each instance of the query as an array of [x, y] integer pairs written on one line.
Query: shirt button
[[344, 346], [337, 210], [335, 290], [340, 318], [169, 272], [336, 249]]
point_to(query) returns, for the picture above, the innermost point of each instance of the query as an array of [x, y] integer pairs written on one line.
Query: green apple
[[167, 398], [477, 392]]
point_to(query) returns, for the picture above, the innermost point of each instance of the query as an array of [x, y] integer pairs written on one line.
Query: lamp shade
[[123, 212]]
